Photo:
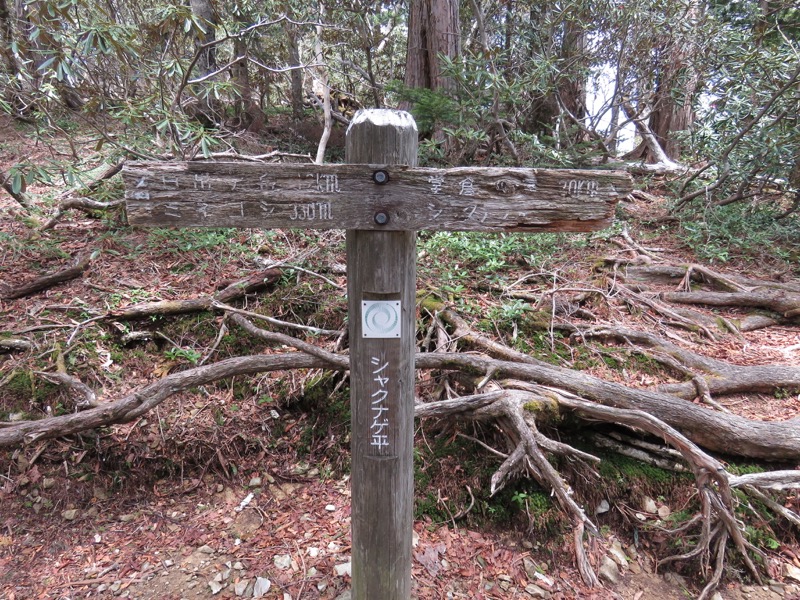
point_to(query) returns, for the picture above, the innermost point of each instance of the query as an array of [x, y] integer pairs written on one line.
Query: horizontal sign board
[[399, 198]]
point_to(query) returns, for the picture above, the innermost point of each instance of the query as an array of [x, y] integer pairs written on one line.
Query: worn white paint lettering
[[467, 186], [264, 183], [202, 182], [312, 211], [325, 213], [436, 182], [234, 183], [172, 209], [435, 212], [266, 208], [574, 187], [380, 412], [141, 195], [328, 183], [142, 183], [170, 181]]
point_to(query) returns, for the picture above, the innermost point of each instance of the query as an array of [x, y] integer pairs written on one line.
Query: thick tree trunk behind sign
[[433, 29]]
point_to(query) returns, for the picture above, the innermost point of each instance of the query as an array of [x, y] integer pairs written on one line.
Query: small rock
[[676, 580], [343, 569], [69, 515], [777, 588], [127, 518], [261, 587], [330, 508], [255, 482], [114, 587], [414, 539], [717, 596], [791, 571], [240, 587], [218, 577], [205, 549], [535, 591], [312, 572], [282, 561], [603, 507], [649, 505], [609, 571], [215, 586], [287, 596], [313, 552], [237, 566], [634, 567], [616, 552], [47, 483], [322, 585], [530, 568], [300, 468], [345, 596], [664, 512]]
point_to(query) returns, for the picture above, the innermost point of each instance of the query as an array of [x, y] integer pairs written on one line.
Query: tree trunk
[[205, 14], [6, 38], [296, 74], [433, 30], [676, 85], [248, 113]]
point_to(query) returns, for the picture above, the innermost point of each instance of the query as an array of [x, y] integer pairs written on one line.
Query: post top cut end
[[384, 117], [382, 136]]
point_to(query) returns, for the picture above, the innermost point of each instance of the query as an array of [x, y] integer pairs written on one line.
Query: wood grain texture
[[235, 194], [381, 265]]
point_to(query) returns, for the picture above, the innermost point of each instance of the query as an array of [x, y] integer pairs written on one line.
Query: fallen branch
[[139, 402], [15, 345], [248, 285], [78, 266]]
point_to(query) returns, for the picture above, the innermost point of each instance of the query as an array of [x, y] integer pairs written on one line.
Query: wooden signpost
[[381, 199]]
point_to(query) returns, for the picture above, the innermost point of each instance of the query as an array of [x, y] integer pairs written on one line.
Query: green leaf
[[16, 182]]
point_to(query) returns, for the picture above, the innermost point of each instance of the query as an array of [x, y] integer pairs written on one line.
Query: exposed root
[[708, 376], [716, 518]]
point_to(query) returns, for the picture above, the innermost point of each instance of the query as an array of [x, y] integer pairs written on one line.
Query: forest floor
[[244, 483]]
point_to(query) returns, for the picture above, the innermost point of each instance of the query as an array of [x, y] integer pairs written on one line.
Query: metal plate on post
[[380, 319]]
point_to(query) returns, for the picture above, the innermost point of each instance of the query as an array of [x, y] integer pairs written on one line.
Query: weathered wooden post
[[381, 280]]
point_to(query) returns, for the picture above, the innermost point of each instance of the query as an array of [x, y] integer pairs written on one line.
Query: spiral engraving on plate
[[381, 319]]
